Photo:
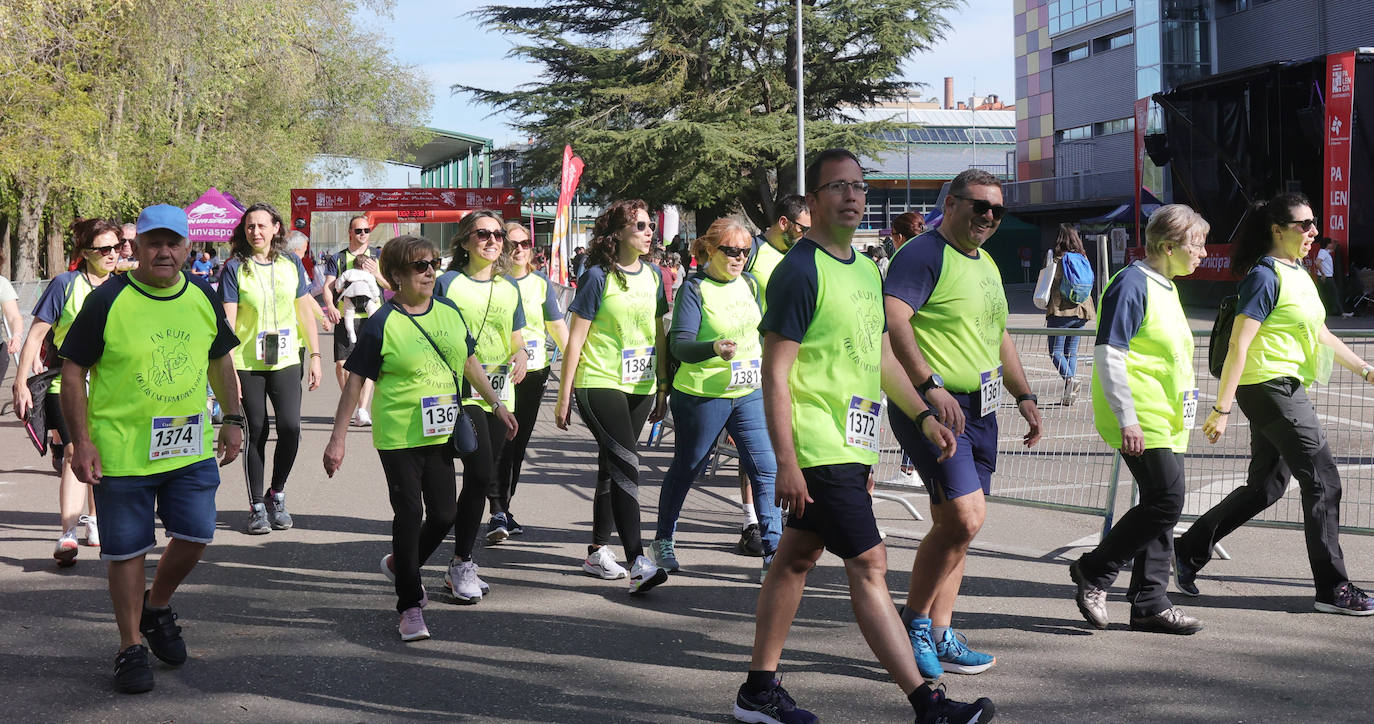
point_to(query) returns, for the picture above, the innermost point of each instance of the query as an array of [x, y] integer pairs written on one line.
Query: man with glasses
[[825, 358], [126, 259], [946, 314], [358, 255]]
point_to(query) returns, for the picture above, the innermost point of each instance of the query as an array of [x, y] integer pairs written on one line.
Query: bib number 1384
[[862, 424], [636, 364]]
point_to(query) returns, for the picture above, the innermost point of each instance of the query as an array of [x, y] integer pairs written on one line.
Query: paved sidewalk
[[300, 625]]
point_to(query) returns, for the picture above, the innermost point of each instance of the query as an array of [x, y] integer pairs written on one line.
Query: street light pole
[[801, 121], [906, 134]]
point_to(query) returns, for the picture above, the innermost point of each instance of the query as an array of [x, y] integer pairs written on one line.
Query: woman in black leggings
[[612, 369], [267, 302]]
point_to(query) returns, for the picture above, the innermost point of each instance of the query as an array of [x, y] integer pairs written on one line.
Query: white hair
[[296, 242]]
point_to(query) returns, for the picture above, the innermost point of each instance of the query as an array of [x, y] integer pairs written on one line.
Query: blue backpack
[[1077, 283]]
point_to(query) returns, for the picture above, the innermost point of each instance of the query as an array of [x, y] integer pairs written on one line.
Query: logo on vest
[[171, 375], [865, 345]]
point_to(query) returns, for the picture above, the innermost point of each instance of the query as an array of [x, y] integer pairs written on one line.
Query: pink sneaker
[[65, 553], [412, 625]]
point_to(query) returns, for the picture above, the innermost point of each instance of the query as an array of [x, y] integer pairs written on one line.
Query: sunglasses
[[804, 228], [981, 207], [642, 225], [423, 264], [1306, 224], [734, 252], [362, 230], [525, 244], [105, 250], [488, 234]]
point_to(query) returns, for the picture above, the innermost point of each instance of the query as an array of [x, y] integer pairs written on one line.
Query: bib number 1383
[[862, 424], [636, 364]]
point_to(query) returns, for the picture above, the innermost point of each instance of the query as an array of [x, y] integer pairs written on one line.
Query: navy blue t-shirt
[[793, 290], [591, 289], [1259, 291], [915, 269], [1123, 307]]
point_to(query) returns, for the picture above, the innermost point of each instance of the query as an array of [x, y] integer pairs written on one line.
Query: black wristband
[[922, 415], [237, 420], [1219, 412], [1027, 396]]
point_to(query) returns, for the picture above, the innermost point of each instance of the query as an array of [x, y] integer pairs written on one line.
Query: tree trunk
[[56, 235], [6, 253], [27, 228]]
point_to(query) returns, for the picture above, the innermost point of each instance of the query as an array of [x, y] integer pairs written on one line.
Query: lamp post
[[801, 121], [906, 134]]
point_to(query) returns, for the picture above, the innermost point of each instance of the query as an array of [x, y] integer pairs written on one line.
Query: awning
[[213, 216]]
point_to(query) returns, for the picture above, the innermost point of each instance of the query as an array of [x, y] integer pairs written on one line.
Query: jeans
[[1064, 348], [697, 422]]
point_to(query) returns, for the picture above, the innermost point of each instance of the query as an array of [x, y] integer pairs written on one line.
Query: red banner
[[1217, 265], [1340, 97], [561, 244], [1142, 120]]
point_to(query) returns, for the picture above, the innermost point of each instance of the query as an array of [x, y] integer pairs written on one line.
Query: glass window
[[1147, 45]]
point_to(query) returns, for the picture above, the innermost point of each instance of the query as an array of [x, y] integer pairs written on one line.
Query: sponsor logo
[[208, 212]]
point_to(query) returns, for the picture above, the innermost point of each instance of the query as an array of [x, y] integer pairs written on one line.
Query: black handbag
[[463, 441]]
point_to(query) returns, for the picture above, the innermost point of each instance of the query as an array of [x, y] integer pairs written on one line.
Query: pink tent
[[213, 216]]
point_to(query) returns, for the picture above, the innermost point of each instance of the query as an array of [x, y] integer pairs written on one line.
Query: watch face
[[935, 381]]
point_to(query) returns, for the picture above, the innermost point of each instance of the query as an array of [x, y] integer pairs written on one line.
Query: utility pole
[[801, 120]]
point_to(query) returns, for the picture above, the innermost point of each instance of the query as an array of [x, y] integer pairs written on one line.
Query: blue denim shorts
[[968, 470], [183, 498]]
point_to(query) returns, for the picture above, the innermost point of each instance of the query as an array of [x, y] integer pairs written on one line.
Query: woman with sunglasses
[[491, 304], [611, 367], [543, 320], [96, 243], [267, 303], [1277, 345], [400, 348], [717, 386]]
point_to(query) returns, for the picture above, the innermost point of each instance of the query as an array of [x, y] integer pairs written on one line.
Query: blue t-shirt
[[1258, 291], [1123, 308], [591, 290], [201, 268]]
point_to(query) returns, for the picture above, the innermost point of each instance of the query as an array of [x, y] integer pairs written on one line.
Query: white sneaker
[[601, 563], [462, 582], [92, 530], [412, 625], [364, 419], [645, 575], [65, 552]]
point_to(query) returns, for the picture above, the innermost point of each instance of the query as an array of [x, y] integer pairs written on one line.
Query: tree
[[112, 105], [693, 101]]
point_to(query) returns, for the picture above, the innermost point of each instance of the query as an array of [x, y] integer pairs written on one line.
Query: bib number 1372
[[862, 424]]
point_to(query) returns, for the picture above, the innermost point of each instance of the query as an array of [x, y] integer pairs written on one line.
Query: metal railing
[[1061, 189]]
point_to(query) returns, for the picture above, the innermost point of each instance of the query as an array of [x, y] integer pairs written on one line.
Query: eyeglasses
[[362, 230], [642, 225], [524, 244], [489, 234], [840, 187], [1194, 247], [106, 250], [423, 264], [981, 207], [734, 252], [1306, 224]]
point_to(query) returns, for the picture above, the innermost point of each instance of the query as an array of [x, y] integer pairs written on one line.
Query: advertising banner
[[560, 246], [1340, 97], [1142, 119], [212, 217]]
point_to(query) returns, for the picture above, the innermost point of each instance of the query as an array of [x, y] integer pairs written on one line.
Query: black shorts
[[841, 511], [342, 347], [52, 416]]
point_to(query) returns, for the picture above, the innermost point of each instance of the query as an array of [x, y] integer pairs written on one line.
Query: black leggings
[[420, 483], [479, 478], [616, 419], [283, 387], [529, 395]]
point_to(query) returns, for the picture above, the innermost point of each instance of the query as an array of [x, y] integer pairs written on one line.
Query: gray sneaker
[[1092, 601], [663, 554], [275, 504], [257, 521], [1171, 621]]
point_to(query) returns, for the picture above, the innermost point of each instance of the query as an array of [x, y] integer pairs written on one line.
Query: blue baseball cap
[[163, 216]]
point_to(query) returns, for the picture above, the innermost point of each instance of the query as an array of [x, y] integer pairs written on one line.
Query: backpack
[[1220, 341], [1077, 282]]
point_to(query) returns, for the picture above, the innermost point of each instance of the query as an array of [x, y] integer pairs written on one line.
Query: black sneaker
[[1349, 600], [513, 527], [159, 627], [1185, 576], [1170, 621], [132, 673], [496, 529], [750, 541], [770, 706], [943, 710]]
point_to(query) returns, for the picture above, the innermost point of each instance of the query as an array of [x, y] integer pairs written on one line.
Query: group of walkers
[[790, 343]]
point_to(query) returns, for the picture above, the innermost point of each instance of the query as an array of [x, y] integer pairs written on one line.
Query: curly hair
[[605, 249], [243, 249], [459, 260]]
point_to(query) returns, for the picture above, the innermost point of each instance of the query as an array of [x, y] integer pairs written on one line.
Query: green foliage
[[693, 101], [111, 105]]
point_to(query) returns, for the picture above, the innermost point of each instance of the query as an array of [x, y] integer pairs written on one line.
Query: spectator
[[202, 267], [1326, 280], [1063, 314]]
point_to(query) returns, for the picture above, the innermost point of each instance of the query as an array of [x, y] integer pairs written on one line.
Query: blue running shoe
[[770, 706], [958, 658], [924, 647], [943, 710]]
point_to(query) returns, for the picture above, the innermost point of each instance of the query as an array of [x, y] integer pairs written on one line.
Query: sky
[[445, 42]]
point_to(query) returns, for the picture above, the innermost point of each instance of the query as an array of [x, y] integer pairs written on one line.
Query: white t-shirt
[[1325, 266]]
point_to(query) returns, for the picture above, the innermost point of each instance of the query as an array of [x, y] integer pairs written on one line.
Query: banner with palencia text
[[561, 244]]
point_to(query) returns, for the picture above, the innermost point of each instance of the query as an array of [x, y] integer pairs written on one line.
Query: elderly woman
[[415, 348], [1277, 342], [717, 387], [1144, 404]]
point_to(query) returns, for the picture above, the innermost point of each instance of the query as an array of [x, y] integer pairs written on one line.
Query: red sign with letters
[[1340, 96]]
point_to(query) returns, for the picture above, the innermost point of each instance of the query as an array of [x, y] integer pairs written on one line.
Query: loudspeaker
[[1157, 148]]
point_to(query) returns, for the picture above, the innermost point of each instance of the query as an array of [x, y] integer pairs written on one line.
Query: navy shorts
[[842, 510], [183, 498], [342, 347], [971, 466]]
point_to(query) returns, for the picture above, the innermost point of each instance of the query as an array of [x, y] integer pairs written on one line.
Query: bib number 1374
[[862, 424], [175, 437]]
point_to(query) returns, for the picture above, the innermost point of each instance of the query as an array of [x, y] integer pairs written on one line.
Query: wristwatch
[[935, 381]]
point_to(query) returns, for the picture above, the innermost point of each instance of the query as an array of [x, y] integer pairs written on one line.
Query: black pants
[[1144, 534], [479, 478], [283, 387], [616, 419], [1285, 439], [529, 394], [423, 493]]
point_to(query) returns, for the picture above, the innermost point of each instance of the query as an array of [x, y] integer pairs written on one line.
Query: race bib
[[283, 344], [990, 391], [1189, 409], [437, 414], [862, 424], [636, 364], [176, 437], [534, 350], [499, 377], [745, 374]]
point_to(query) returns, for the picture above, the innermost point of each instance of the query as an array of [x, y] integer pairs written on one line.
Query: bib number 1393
[[1189, 409], [862, 424], [636, 364]]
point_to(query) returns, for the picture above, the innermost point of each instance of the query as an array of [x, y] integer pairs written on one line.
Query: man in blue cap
[[150, 340]]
